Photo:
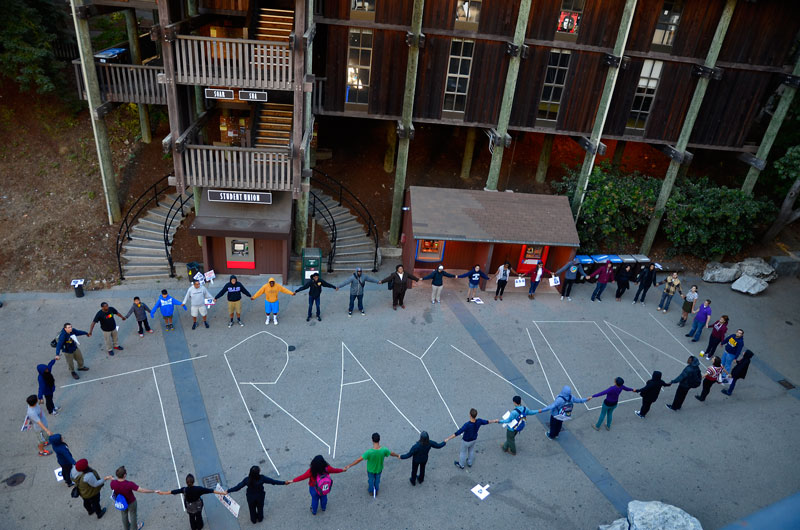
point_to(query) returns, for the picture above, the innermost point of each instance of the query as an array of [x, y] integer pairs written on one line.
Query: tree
[[788, 167]]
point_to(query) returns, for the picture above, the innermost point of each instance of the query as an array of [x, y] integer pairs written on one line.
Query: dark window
[[455, 93], [668, 23], [553, 88]]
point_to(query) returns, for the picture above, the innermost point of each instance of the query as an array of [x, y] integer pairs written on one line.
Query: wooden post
[[469, 151], [772, 130], [84, 41], [391, 147], [171, 89], [688, 125], [602, 109], [544, 158], [508, 94], [408, 110], [302, 105], [199, 107], [132, 26], [619, 151]]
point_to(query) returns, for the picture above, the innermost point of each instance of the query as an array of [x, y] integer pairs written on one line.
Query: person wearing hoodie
[[573, 270], [733, 348], [610, 402], [689, 378], [561, 410], [318, 468], [64, 457], [624, 276], [437, 283], [357, 282], [501, 278], [255, 494], [67, 342], [649, 393], [140, 310], [197, 294], [419, 456], [514, 423], [646, 279], [398, 281], [536, 277], [270, 290], [739, 371], [605, 275], [47, 386], [474, 280], [718, 331], [166, 304], [314, 286], [234, 289]]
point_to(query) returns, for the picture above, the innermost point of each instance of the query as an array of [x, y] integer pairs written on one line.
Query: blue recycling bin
[[587, 263], [112, 55], [602, 258]]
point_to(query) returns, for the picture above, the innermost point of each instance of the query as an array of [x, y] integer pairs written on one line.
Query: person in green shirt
[[374, 458]]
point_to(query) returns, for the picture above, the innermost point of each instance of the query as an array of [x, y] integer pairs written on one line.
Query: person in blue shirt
[[470, 436], [519, 411], [167, 306], [68, 343], [733, 349], [474, 276], [47, 386], [561, 410]]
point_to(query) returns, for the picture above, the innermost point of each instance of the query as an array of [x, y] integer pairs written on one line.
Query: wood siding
[[336, 68], [529, 87], [498, 17], [761, 33], [582, 92], [439, 14], [622, 99], [394, 12], [600, 22], [486, 83], [388, 74], [269, 254], [643, 25], [336, 8], [696, 28], [543, 19], [431, 77], [675, 90]]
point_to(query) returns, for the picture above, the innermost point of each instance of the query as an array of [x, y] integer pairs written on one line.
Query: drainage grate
[[15, 480], [211, 481], [529, 361], [291, 348], [786, 384]]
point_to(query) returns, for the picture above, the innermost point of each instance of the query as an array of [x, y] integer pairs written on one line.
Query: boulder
[[749, 284], [787, 266], [720, 273], [619, 524], [758, 268], [657, 515]]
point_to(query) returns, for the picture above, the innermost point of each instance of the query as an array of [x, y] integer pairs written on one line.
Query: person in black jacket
[[234, 289], [690, 377], [739, 371], [314, 286], [192, 500], [436, 278], [646, 280], [623, 278], [650, 392], [399, 284], [255, 492], [419, 456]]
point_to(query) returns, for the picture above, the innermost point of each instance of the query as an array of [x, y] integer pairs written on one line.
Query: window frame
[[470, 22], [364, 13], [357, 105], [453, 112], [574, 9], [664, 22], [553, 85], [645, 94]]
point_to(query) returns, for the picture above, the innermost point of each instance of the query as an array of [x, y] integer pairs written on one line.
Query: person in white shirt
[[198, 294], [501, 277]]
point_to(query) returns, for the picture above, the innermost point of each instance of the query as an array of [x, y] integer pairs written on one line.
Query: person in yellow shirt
[[270, 290]]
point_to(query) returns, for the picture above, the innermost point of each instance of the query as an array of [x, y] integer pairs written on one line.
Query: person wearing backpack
[[89, 484], [357, 282], [649, 393], [68, 343], [319, 482], [419, 456], [610, 402], [124, 500], [192, 500], [514, 422], [255, 492], [689, 378], [561, 410], [712, 377]]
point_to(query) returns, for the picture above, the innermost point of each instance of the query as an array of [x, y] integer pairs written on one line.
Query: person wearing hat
[[357, 282], [89, 484], [197, 295], [314, 286], [419, 456], [437, 278], [270, 290], [234, 289]]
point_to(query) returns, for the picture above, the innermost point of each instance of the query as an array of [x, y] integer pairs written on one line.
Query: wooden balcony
[[126, 83], [264, 169], [212, 61]]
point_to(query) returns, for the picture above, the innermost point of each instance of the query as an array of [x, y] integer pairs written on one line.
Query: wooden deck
[[126, 83], [263, 169]]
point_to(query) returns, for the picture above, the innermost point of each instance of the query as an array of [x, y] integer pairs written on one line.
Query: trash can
[[78, 285], [192, 268], [112, 55], [312, 261], [588, 266]]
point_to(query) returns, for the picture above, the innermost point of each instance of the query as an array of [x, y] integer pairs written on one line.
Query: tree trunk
[[786, 216]]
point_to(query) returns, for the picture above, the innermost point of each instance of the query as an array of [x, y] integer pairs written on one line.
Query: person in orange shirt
[[270, 290]]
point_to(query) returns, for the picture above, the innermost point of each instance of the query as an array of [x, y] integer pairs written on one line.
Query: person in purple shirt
[[701, 320], [610, 402]]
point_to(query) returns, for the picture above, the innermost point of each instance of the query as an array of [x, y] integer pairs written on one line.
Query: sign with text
[[218, 93], [253, 197], [249, 95]]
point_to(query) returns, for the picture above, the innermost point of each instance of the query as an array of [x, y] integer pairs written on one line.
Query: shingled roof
[[489, 216]]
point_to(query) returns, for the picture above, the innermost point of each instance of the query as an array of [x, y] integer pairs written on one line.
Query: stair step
[[146, 265], [273, 133], [149, 229], [366, 243], [286, 12], [347, 231], [149, 254], [357, 262], [157, 222], [142, 275], [147, 237], [282, 125], [368, 252]]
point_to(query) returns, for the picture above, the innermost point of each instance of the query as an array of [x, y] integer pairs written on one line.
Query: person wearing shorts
[[270, 290], [197, 294], [234, 288]]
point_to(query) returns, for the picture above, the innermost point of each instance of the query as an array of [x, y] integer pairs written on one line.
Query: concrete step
[[147, 237], [140, 255], [350, 236], [153, 221], [352, 244], [143, 275], [137, 245], [146, 228], [158, 265], [352, 253]]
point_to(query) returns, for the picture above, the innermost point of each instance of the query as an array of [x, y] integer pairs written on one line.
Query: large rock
[[720, 273], [749, 284], [656, 515], [758, 268], [619, 524], [786, 266]]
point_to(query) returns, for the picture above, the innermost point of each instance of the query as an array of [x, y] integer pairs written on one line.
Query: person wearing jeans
[[318, 467], [733, 348], [739, 371], [374, 458], [672, 284], [610, 402], [536, 277], [357, 282], [469, 436], [563, 398], [572, 270], [314, 286], [646, 279], [605, 275], [125, 487], [718, 331], [701, 320]]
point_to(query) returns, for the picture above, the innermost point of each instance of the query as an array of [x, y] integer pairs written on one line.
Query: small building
[[462, 228]]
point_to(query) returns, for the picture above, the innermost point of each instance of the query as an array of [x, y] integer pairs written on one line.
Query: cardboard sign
[[519, 282], [59, 475], [228, 502], [209, 276], [200, 277], [555, 280], [480, 491], [76, 283]]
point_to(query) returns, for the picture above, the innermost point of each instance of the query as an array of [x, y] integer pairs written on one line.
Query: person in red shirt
[[605, 275], [318, 467], [124, 487], [719, 329]]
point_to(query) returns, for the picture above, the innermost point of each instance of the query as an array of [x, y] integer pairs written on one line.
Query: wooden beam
[[168, 56]]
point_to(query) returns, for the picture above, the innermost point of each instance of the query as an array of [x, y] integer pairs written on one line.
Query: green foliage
[[108, 31], [615, 206], [707, 221], [788, 166]]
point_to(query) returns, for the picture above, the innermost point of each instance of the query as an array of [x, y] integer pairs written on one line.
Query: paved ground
[[221, 400]]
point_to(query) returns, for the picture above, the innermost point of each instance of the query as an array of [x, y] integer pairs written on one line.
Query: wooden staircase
[[274, 127], [274, 24]]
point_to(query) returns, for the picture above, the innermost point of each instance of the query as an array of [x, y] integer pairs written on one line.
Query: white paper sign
[[210, 301], [73, 337], [228, 502], [200, 277], [59, 476], [26, 424], [209, 276], [481, 491], [555, 280], [76, 283], [519, 282], [477, 300]]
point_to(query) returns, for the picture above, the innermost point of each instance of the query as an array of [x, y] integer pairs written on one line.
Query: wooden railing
[[244, 63], [238, 167], [126, 83]]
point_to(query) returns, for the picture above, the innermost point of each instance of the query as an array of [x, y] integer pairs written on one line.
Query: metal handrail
[[171, 214], [128, 220], [344, 195], [329, 220]]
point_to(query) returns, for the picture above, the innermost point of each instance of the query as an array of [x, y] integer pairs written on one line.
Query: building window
[[362, 5], [569, 20], [455, 93], [667, 23], [553, 88], [468, 11], [645, 93], [359, 61]]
